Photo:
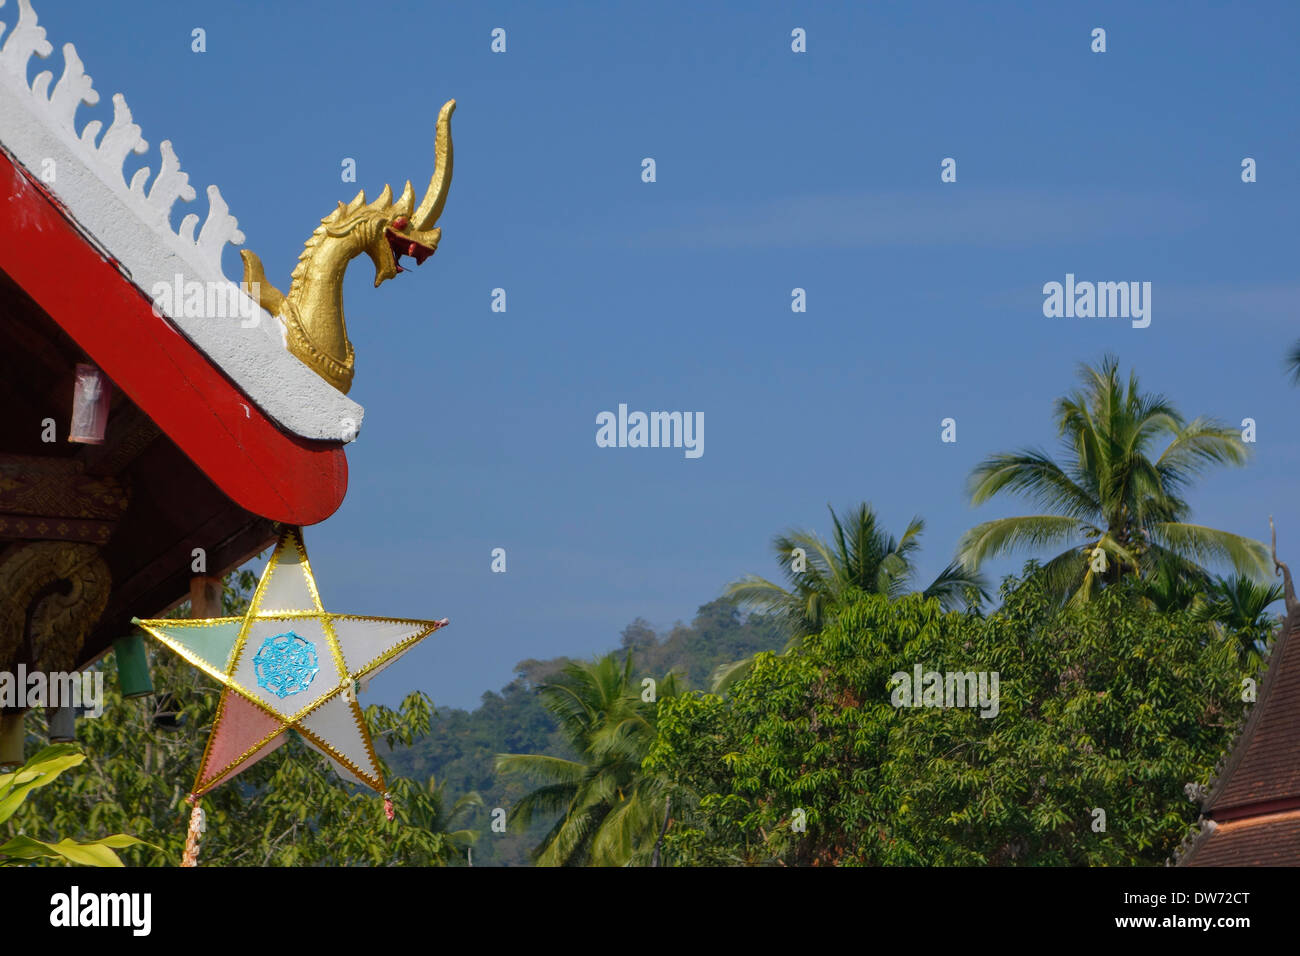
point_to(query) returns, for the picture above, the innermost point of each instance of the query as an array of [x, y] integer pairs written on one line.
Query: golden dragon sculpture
[[312, 312]]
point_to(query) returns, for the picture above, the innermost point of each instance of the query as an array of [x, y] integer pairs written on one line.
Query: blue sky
[[775, 170]]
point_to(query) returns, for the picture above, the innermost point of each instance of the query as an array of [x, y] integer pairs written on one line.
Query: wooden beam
[[130, 432], [205, 596]]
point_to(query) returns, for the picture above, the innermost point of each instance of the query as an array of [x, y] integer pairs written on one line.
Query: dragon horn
[[405, 202], [433, 201]]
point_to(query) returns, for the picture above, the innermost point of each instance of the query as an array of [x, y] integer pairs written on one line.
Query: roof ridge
[[1240, 742], [130, 223], [1207, 826], [27, 40]]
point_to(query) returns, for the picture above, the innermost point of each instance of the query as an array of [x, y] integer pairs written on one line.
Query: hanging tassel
[[198, 825], [388, 806]]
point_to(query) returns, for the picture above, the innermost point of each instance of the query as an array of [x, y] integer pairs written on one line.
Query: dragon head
[[386, 230], [311, 312]]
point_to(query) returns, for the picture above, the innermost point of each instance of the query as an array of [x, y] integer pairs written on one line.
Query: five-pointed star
[[288, 664]]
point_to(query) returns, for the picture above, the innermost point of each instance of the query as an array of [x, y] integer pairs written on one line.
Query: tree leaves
[[94, 853], [612, 811], [289, 809], [41, 770], [1112, 705]]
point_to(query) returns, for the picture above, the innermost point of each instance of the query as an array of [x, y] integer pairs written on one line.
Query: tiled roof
[[1252, 814], [1265, 763], [1270, 840]]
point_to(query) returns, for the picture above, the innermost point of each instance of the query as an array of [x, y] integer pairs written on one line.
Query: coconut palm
[[1170, 587], [1238, 606], [439, 837], [1115, 496], [860, 555], [611, 812], [1241, 604]]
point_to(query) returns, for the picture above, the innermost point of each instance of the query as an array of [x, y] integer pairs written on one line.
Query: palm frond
[[996, 537], [953, 585], [724, 675], [1202, 544], [1035, 475]]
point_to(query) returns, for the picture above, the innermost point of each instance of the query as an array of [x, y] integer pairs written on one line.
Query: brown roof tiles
[[1253, 810]]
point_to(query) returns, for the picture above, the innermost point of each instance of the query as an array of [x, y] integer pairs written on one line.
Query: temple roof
[[1270, 840], [1252, 813], [263, 468], [131, 224], [215, 430]]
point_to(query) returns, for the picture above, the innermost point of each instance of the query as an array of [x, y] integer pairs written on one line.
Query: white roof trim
[[133, 225]]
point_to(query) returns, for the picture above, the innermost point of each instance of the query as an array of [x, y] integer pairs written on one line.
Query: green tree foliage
[[1109, 705], [861, 556], [610, 811], [1115, 497], [1238, 606], [462, 745], [40, 771], [719, 634]]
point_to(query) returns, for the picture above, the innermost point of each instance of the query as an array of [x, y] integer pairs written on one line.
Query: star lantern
[[287, 665]]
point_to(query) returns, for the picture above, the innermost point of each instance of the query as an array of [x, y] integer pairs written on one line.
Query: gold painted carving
[[312, 312], [59, 621]]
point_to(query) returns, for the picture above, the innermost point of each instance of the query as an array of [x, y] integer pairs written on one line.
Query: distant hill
[[461, 745]]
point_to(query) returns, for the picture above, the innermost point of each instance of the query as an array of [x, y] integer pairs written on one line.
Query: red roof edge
[[260, 467]]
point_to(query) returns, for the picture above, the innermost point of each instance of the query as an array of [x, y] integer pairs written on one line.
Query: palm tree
[[860, 555], [1241, 604], [612, 812], [1238, 606], [441, 839], [1168, 588], [1293, 363], [1115, 498]]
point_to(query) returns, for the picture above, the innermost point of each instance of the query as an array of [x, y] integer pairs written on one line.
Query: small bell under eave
[[62, 722], [90, 401], [132, 666], [12, 736]]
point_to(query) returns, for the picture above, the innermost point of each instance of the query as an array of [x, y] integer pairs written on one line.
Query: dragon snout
[[418, 245]]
